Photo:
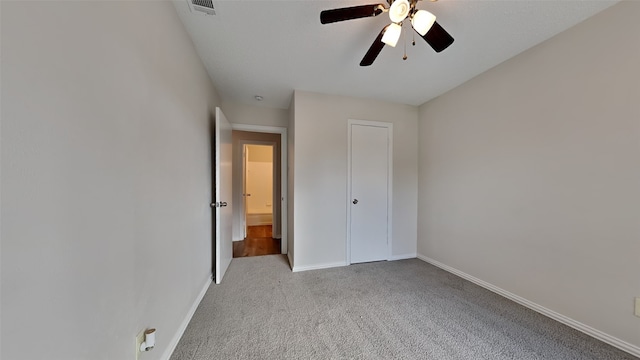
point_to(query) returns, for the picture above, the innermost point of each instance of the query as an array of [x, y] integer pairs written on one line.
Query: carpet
[[404, 309]]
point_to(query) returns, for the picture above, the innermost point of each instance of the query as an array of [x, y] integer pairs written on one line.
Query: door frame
[[389, 127], [283, 173], [242, 144]]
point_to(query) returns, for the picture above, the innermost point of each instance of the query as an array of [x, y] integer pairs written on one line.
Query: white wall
[[530, 173], [320, 171], [239, 113], [106, 178]]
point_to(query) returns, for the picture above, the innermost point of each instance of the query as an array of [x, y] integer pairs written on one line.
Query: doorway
[[258, 195], [259, 190]]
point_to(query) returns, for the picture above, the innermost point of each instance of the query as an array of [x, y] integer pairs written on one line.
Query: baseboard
[[183, 326], [318, 267], [604, 337], [402, 257], [259, 219], [339, 264], [260, 223]]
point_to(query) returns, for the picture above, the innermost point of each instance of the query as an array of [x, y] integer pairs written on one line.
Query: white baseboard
[[259, 219], [183, 326], [339, 264], [402, 257], [318, 267], [604, 337]]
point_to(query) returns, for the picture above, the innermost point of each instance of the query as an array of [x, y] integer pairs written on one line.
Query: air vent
[[202, 6]]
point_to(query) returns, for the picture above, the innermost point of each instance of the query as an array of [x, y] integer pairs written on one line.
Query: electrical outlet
[[637, 308], [139, 341]]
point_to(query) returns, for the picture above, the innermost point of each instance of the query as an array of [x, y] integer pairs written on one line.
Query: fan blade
[[354, 12], [438, 38], [374, 50]]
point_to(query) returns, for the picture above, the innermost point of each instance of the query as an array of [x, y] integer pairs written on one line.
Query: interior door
[[369, 190], [223, 195]]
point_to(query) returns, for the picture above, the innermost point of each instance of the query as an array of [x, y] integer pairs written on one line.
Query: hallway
[[258, 242]]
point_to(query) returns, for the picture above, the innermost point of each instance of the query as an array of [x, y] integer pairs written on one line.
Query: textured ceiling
[[270, 48]]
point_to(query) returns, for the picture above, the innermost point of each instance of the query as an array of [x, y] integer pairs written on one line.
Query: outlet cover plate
[[637, 308], [139, 341]]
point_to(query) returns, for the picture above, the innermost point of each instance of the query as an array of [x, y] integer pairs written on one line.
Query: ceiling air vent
[[202, 6]]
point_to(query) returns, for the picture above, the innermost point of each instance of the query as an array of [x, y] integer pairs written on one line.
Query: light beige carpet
[[388, 310]]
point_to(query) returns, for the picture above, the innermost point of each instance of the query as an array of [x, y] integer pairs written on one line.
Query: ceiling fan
[[422, 21]]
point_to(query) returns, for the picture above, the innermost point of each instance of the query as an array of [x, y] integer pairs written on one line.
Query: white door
[[223, 207], [369, 188]]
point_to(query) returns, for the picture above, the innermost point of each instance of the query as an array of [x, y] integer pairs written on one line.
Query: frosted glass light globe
[[399, 10], [392, 34], [422, 21]]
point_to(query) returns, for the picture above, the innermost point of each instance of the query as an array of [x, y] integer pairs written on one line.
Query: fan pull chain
[[404, 37], [414, 38]]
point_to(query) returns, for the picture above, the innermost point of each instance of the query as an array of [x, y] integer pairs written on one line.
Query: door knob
[[355, 201], [223, 204]]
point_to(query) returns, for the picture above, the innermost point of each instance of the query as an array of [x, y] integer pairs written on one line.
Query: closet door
[[369, 190]]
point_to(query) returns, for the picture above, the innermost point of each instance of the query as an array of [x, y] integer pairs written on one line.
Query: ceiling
[[269, 48]]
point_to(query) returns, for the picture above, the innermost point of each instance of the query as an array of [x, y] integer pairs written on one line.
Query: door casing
[[242, 145], [283, 173]]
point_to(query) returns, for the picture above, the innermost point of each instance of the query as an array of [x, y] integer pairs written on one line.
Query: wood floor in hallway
[[258, 242]]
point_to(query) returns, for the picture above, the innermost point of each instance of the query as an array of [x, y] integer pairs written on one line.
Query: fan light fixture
[[392, 34], [399, 10], [422, 21]]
